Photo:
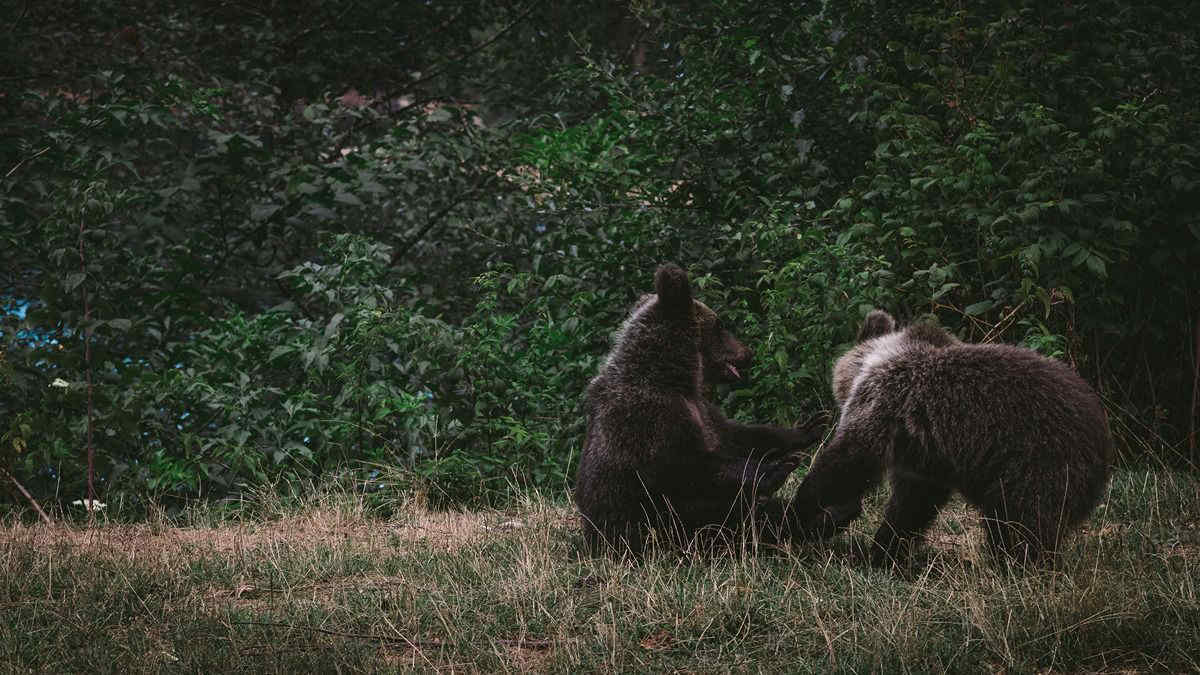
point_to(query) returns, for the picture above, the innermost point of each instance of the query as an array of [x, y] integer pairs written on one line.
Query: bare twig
[[87, 359], [35, 155], [429, 225], [1003, 323], [321, 26], [400, 639], [32, 501], [422, 39], [1195, 394], [467, 53], [19, 19]]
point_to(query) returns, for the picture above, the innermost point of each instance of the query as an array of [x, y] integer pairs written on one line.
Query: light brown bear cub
[[658, 454], [1021, 437]]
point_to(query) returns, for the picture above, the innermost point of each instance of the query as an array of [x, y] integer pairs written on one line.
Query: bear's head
[[878, 341], [723, 358]]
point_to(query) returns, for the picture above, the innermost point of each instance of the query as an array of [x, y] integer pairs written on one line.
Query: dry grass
[[327, 586]]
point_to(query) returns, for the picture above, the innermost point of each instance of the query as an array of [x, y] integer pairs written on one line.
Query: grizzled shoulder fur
[[879, 342]]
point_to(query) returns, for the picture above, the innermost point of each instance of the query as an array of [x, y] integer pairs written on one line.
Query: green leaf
[[373, 187], [979, 307], [946, 288], [332, 327], [72, 281], [1096, 264], [260, 212], [348, 198], [280, 351]]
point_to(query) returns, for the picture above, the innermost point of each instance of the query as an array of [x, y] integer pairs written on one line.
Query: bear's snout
[[739, 361]]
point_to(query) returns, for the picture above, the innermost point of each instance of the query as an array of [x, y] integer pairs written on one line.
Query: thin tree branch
[[433, 220], [35, 155], [1003, 323], [466, 54], [87, 359], [305, 33], [1195, 395], [19, 19], [438, 30], [32, 501]]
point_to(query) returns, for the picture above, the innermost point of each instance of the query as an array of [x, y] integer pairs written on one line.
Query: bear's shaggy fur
[[1021, 436], [658, 454]]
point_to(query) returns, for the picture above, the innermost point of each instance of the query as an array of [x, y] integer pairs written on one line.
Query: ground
[[330, 584]]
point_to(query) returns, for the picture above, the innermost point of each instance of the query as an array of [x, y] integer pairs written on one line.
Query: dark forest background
[[275, 243]]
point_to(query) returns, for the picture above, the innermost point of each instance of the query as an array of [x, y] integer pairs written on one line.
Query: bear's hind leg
[[614, 537], [913, 506]]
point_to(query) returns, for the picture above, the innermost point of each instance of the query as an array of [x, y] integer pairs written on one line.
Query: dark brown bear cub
[[1020, 436], [658, 454]]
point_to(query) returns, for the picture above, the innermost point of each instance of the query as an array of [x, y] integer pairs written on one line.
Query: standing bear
[[1021, 437], [658, 455]]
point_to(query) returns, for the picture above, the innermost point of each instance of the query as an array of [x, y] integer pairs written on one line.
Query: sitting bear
[[1021, 437], [658, 454]]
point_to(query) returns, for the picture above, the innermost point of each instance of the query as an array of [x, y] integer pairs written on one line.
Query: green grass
[[327, 586]]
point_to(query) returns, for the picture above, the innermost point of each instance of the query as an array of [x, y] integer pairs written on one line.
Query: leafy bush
[[1017, 206], [303, 255]]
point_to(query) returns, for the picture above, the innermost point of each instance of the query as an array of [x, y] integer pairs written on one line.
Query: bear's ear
[[930, 333], [671, 284], [877, 323]]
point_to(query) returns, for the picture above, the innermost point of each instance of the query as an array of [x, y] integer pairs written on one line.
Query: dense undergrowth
[[306, 240]]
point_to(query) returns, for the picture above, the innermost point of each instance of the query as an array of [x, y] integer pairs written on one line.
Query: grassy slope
[[328, 587]]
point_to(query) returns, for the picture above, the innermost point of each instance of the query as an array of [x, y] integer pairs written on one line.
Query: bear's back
[[626, 446], [986, 405]]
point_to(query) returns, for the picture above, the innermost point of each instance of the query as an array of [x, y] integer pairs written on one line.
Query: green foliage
[[1018, 207], [397, 237]]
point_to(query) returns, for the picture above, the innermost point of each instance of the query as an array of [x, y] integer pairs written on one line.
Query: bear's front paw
[[814, 522], [799, 440], [772, 473], [808, 433], [839, 516]]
